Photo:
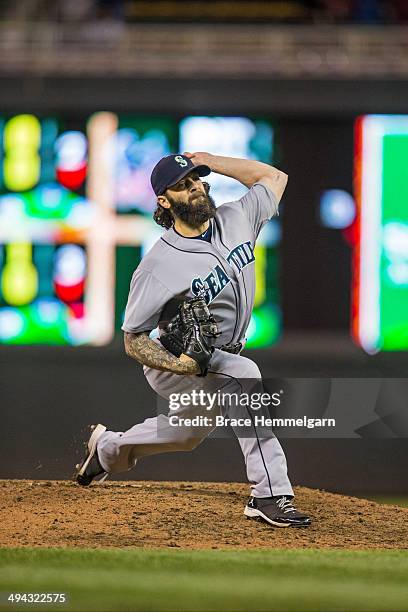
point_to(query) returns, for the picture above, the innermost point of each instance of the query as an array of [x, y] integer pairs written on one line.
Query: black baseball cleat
[[90, 468], [278, 511]]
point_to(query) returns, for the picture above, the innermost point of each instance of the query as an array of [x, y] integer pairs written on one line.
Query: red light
[[72, 179], [77, 310], [69, 293]]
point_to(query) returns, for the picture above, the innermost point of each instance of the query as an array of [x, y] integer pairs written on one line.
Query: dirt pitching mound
[[184, 515]]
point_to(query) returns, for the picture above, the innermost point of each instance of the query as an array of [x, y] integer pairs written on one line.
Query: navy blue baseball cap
[[171, 169]]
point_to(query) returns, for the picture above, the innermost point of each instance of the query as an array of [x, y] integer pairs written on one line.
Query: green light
[[265, 326], [394, 256], [45, 322], [49, 202]]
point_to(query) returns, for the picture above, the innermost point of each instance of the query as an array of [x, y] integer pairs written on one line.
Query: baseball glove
[[192, 331]]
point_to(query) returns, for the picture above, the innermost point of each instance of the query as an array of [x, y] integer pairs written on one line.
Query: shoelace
[[285, 504]]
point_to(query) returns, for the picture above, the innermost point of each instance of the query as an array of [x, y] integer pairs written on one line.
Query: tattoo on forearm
[[141, 348]]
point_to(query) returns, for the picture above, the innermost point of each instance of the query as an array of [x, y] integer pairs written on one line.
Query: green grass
[[394, 500], [211, 580]]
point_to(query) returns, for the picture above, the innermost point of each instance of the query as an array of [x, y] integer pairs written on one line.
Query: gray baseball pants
[[264, 458]]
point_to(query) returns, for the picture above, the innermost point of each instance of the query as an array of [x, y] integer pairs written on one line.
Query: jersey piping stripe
[[253, 425], [219, 232], [219, 261], [243, 277]]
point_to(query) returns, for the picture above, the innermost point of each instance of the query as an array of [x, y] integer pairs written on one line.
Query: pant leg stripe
[[253, 424]]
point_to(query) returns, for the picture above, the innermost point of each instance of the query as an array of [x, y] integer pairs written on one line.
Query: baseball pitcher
[[197, 285]]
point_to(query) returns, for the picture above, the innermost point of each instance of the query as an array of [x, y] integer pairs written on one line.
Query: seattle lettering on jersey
[[241, 256], [217, 279], [211, 285]]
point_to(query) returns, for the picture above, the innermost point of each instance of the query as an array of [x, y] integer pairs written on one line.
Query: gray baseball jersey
[[223, 270]]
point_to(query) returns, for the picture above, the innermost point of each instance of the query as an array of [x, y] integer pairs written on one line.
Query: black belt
[[232, 348]]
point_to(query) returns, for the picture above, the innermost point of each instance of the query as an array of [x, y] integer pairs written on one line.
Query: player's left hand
[[200, 158], [192, 333]]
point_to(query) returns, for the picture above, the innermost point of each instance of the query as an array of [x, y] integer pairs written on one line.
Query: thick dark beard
[[194, 215]]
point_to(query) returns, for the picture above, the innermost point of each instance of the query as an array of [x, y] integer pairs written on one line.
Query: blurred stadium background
[[92, 94]]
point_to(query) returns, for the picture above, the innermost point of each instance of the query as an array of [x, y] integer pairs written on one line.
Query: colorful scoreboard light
[[43, 214], [380, 287], [76, 215], [59, 230]]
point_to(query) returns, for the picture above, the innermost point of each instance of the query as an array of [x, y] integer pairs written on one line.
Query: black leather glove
[[193, 332]]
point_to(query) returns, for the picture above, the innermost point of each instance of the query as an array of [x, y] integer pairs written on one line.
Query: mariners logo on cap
[[181, 161]]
